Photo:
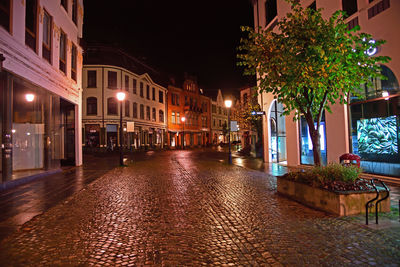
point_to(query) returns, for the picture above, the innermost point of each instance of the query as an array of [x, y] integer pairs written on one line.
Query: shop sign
[[257, 113], [234, 126]]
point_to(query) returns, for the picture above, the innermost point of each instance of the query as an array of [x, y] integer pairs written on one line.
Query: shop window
[[148, 92], [154, 114], [73, 62], [127, 108], [271, 11], [64, 4], [307, 156], [160, 96], [91, 106], [134, 85], [112, 106], [141, 89], [161, 116], [134, 111], [31, 23], [112, 79], [141, 112], [75, 11], [147, 113], [349, 6], [91, 79], [47, 33], [63, 52], [5, 8], [378, 87]]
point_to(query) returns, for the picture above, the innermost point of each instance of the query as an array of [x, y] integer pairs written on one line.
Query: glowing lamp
[[121, 96], [183, 119], [29, 97], [228, 103], [385, 94]]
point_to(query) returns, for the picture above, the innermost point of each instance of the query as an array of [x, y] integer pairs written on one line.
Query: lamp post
[[228, 104], [121, 98], [183, 119]]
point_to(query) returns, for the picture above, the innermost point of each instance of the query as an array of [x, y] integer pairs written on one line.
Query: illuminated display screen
[[378, 138]]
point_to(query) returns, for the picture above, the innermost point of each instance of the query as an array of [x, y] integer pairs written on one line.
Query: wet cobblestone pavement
[[180, 208]]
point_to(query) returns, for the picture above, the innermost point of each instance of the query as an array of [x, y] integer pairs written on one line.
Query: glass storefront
[[278, 133], [307, 156], [40, 132], [375, 125]]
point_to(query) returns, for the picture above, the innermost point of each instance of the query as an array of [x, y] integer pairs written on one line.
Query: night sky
[[175, 36]]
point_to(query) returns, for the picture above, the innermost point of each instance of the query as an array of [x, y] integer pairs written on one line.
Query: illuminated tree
[[310, 63]]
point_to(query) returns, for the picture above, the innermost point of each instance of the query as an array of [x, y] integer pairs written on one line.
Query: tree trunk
[[315, 138]]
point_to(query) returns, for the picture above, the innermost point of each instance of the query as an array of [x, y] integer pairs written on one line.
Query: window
[[91, 79], [112, 106], [141, 112], [378, 8], [160, 96], [5, 8], [173, 117], [126, 83], [214, 122], [186, 100], [64, 4], [214, 108], [205, 107], [219, 110], [154, 114], [161, 116], [147, 91], [91, 106], [134, 112], [75, 11], [73, 62], [127, 108], [47, 30], [63, 52], [154, 94], [141, 89], [349, 6], [177, 100], [270, 11], [148, 113], [134, 85], [30, 23], [172, 99], [112, 79], [219, 124]]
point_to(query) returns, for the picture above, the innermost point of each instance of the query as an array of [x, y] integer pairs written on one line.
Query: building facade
[[189, 103], [219, 119], [367, 127], [107, 71], [40, 83]]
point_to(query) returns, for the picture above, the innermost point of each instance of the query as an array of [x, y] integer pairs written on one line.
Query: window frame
[[6, 14], [32, 33], [134, 110], [114, 85], [89, 84], [92, 104], [64, 4], [63, 59], [112, 100], [47, 48], [74, 62]]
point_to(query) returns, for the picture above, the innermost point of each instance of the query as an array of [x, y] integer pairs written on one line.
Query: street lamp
[[228, 105], [183, 119], [121, 98]]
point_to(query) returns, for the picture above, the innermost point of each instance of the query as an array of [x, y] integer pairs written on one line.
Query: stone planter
[[339, 203]]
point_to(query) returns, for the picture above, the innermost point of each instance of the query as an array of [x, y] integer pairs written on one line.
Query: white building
[[40, 85], [219, 119], [107, 71], [341, 130]]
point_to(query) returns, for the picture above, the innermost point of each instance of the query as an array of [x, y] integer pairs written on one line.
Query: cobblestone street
[[181, 208]]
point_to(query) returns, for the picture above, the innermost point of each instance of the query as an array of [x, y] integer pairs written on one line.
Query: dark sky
[[175, 36]]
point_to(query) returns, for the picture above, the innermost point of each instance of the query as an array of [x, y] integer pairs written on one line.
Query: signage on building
[[130, 126], [258, 113], [234, 126]]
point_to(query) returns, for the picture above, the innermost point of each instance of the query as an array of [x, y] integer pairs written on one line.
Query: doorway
[[67, 111], [277, 148]]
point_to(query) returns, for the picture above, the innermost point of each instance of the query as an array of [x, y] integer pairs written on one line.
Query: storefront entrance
[[278, 133], [67, 111]]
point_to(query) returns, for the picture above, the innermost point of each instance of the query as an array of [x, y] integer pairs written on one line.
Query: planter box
[[339, 203]]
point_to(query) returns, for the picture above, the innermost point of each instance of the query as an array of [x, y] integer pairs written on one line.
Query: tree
[[248, 121], [310, 63]]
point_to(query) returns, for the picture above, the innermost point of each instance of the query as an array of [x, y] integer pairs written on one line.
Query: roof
[[106, 55]]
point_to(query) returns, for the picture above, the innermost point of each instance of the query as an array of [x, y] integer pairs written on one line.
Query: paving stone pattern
[[179, 210]]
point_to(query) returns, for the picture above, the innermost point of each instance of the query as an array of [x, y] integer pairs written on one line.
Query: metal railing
[[370, 203]]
